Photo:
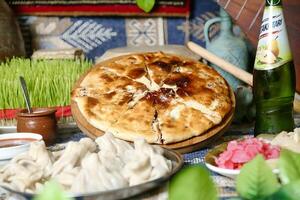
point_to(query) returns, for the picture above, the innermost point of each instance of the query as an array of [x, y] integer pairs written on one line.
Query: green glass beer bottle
[[274, 74]]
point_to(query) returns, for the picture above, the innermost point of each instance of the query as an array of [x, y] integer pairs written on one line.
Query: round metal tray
[[127, 192]]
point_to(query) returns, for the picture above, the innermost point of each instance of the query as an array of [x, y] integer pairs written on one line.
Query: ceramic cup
[[41, 121], [16, 143]]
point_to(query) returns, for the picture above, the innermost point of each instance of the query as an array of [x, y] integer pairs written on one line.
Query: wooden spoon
[[223, 64]]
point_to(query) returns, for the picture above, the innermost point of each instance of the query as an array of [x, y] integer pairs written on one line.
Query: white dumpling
[[108, 143], [79, 168], [23, 170], [88, 179], [41, 156], [117, 180], [57, 154], [7, 171], [24, 174], [137, 168], [18, 184], [80, 183], [142, 146], [67, 177], [89, 144], [111, 179], [111, 161], [34, 171], [161, 166], [71, 156], [16, 159], [38, 187]]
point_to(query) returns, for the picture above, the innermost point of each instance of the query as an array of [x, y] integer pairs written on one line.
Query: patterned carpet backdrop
[[179, 8], [95, 35]]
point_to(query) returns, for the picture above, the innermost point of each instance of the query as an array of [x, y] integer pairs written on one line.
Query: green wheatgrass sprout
[[49, 82]]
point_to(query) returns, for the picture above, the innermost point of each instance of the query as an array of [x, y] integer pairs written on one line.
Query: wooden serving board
[[185, 146]]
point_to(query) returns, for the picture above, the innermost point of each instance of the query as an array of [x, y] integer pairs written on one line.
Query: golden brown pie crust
[[161, 97]]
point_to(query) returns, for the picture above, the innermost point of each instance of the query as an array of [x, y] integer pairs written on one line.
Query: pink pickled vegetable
[[239, 152]]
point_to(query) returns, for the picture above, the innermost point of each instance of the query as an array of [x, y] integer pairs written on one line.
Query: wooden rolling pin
[[223, 64]]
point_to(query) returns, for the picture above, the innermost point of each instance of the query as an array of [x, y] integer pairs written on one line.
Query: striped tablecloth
[[226, 186]]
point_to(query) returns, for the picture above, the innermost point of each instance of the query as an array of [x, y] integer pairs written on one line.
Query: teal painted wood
[[227, 46]]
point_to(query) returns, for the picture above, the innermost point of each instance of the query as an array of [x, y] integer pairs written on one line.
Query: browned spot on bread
[[106, 77], [187, 63], [180, 92], [169, 125], [163, 65], [74, 93], [92, 102], [175, 62], [178, 79], [161, 97], [136, 73], [166, 65], [125, 99], [188, 84], [110, 95]]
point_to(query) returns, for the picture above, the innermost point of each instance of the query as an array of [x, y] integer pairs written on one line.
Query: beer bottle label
[[273, 47]]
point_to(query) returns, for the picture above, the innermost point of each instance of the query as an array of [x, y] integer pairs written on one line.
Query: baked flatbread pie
[[161, 97]]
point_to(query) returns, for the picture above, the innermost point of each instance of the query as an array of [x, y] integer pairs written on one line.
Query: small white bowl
[[230, 173], [7, 153]]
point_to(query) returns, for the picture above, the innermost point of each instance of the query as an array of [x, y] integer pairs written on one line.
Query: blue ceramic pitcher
[[227, 46]]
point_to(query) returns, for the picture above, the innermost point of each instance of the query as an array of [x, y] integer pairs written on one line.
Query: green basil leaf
[[51, 191], [289, 191], [289, 166], [192, 183], [256, 180], [145, 5]]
